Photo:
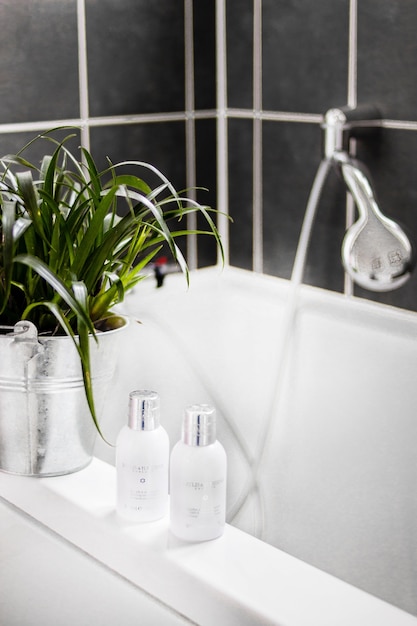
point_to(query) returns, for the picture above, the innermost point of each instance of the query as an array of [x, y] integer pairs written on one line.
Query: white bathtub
[[330, 417], [338, 477]]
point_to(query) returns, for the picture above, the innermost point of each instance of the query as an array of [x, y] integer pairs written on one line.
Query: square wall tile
[[204, 54], [239, 30], [324, 262], [240, 192], [206, 172], [135, 54], [291, 157], [162, 144], [387, 56], [305, 54], [38, 61]]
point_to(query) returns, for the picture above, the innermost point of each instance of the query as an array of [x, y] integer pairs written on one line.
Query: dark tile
[[161, 144], [292, 154], [135, 56], [38, 61], [387, 56], [305, 54], [204, 55], [324, 266], [240, 192], [206, 179], [239, 25]]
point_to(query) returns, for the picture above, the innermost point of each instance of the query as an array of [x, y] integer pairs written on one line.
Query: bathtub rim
[[236, 579], [175, 286]]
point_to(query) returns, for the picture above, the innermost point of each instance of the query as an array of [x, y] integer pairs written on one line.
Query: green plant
[[75, 239]]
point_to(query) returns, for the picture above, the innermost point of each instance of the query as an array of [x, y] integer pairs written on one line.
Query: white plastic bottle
[[142, 461], [198, 469]]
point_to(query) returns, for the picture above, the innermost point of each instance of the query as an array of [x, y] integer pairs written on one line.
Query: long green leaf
[[115, 293], [80, 345], [8, 222], [80, 294], [95, 228], [159, 217], [128, 180], [58, 252], [30, 198], [93, 172], [57, 285]]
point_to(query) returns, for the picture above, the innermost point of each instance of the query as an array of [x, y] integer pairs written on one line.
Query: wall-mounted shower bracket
[[340, 124]]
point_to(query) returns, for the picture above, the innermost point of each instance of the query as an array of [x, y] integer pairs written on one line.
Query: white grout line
[[398, 125], [352, 101], [151, 118], [116, 120], [190, 143], [24, 127], [145, 118], [257, 231], [352, 54], [222, 140], [276, 116], [83, 74]]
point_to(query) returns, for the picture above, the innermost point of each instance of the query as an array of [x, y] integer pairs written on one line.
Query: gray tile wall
[[145, 102], [129, 97], [316, 56]]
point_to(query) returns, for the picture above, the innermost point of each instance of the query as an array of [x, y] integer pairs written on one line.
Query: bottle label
[[140, 487], [204, 502]]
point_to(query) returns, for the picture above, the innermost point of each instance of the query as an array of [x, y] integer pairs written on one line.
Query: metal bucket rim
[[16, 330]]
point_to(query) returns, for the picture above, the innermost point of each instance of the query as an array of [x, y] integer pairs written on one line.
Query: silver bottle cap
[[143, 410], [199, 426]]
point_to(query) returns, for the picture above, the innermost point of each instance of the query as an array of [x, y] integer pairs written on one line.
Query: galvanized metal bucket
[[46, 428]]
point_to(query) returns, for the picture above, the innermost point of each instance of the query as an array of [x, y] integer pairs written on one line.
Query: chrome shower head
[[376, 252]]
